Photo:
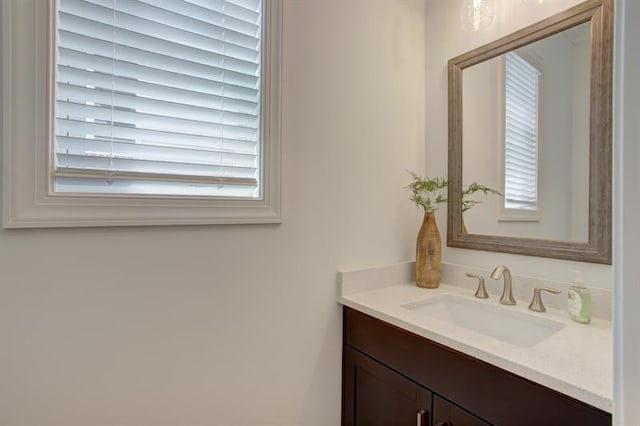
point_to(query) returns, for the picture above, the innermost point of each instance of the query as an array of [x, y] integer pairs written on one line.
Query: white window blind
[[158, 97], [522, 81]]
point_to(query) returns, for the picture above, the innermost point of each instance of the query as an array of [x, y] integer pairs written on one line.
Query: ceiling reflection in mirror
[[525, 133]]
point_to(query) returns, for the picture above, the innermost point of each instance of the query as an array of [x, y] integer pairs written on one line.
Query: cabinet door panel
[[379, 396]]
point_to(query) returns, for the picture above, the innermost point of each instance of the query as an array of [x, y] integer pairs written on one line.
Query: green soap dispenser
[[579, 304]]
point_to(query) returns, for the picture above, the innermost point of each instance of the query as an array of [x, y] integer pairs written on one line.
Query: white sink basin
[[492, 320]]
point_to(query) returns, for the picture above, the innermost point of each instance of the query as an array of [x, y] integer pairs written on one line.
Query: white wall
[[232, 324], [444, 40], [627, 205]]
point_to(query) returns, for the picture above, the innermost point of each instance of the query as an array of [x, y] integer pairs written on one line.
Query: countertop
[[577, 360]]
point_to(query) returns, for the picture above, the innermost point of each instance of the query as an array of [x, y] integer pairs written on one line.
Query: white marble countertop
[[577, 360]]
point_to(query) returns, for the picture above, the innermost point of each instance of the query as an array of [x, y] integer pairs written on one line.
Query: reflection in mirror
[[526, 133]]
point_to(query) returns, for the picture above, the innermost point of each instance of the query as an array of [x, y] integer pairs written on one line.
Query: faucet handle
[[481, 292], [536, 304]]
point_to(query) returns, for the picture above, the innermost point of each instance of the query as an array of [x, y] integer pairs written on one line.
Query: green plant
[[428, 193], [468, 201]]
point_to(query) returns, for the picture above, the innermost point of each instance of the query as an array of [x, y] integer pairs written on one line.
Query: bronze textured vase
[[428, 253]]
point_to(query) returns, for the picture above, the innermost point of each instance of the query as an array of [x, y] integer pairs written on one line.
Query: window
[[158, 112], [521, 130]]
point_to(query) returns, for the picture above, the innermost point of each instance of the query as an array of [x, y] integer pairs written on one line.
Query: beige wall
[[232, 324], [444, 40]]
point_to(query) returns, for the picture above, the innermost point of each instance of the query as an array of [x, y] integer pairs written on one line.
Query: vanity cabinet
[[394, 377]]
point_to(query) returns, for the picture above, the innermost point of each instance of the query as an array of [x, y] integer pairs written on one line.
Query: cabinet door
[[375, 395], [447, 414]]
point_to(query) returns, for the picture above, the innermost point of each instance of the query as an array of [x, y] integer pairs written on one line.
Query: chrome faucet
[[507, 295]]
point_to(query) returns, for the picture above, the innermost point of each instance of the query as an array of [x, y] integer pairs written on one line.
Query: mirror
[[530, 116]]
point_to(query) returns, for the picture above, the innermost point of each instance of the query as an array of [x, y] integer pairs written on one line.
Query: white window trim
[[510, 214], [27, 91]]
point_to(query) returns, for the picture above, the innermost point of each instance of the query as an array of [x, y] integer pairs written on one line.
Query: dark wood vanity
[[394, 377]]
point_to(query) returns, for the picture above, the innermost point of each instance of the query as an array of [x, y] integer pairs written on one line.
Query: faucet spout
[[507, 293]]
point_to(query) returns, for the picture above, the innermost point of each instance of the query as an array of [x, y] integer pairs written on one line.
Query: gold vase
[[428, 253]]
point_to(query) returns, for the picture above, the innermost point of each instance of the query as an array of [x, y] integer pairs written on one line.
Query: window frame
[[28, 88], [515, 214]]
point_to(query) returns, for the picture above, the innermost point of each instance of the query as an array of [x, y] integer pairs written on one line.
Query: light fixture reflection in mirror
[[476, 15]]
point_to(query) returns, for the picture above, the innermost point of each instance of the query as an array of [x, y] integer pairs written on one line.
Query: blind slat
[[525, 153], [175, 14], [73, 77], [216, 13], [156, 36], [148, 166], [87, 174], [169, 57], [219, 146], [144, 105], [177, 78], [124, 149], [166, 123], [77, 128], [235, 9], [134, 14]]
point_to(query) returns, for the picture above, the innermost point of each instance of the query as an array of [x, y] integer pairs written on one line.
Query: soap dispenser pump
[[579, 303]]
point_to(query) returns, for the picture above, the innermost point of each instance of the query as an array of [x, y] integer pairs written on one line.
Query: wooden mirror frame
[[598, 247]]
